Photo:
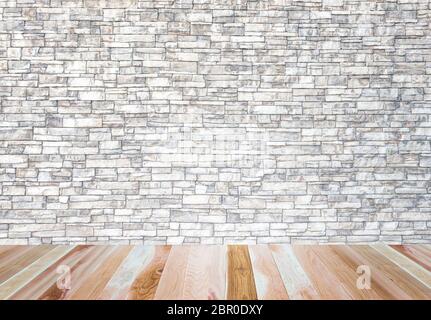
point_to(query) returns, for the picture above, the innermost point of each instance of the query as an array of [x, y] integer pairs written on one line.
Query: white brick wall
[[131, 121]]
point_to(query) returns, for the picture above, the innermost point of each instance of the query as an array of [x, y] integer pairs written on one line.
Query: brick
[[82, 122], [16, 134], [200, 199], [43, 191], [13, 159], [112, 163]]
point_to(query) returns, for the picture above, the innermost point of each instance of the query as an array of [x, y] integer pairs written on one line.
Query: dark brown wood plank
[[240, 284]]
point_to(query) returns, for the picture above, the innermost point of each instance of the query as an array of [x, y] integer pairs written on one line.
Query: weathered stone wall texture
[[215, 121]]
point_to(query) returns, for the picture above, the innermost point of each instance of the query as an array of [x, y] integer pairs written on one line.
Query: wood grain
[[419, 254], [5, 249], [171, 284], [21, 259], [77, 270], [81, 272], [379, 283], [98, 279], [269, 285], [215, 272], [331, 277], [120, 283], [145, 285], [11, 252], [415, 270], [241, 285], [205, 276], [296, 281], [396, 281], [13, 284], [40, 284], [344, 270]]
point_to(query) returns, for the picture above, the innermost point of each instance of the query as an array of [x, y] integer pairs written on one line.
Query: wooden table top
[[376, 271]]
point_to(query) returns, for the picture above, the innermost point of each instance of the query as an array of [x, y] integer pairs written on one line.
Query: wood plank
[[345, 270], [87, 266], [333, 276], [295, 280], [93, 287], [327, 285], [40, 284], [119, 285], [145, 285], [19, 280], [78, 272], [10, 253], [401, 284], [200, 272], [240, 284], [405, 263], [419, 254], [379, 283], [269, 285], [6, 248], [205, 276], [171, 285], [22, 260]]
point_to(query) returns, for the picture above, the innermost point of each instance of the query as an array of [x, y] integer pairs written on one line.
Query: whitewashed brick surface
[[215, 121]]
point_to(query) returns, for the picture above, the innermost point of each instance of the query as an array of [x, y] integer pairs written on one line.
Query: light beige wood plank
[[205, 276], [22, 260], [19, 280], [119, 286], [269, 285], [171, 285], [78, 273], [41, 284], [405, 263], [419, 254], [145, 285], [296, 281], [345, 272], [379, 283], [83, 271], [92, 288], [4, 249], [324, 281], [10, 253], [396, 281]]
